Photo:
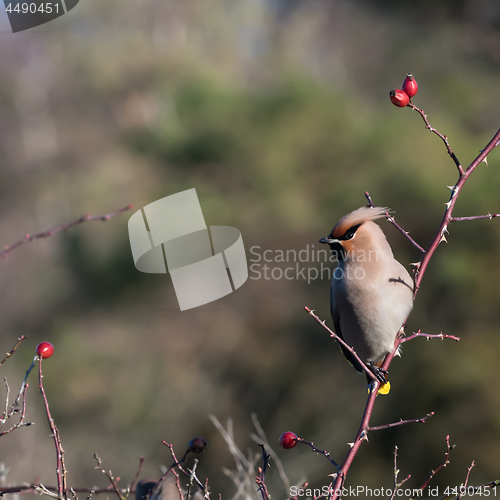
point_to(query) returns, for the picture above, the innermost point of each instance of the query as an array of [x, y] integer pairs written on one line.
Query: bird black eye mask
[[350, 233]]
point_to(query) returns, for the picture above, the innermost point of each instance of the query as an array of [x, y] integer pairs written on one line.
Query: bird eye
[[349, 235]]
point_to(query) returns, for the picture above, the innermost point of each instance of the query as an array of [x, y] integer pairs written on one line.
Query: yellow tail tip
[[383, 389]]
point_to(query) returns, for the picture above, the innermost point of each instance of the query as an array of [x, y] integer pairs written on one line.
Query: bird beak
[[328, 240]]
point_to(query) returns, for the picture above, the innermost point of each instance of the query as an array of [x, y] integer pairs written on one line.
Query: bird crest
[[356, 218]]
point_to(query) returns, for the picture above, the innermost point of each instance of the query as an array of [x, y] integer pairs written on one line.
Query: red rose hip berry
[[288, 440], [410, 86], [45, 349], [399, 98]]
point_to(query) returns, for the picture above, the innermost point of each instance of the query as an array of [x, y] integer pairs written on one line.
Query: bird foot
[[380, 373]]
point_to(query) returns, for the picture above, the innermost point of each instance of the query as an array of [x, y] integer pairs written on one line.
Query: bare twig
[[60, 467], [157, 486], [53, 490], [428, 336], [261, 438], [317, 450], [8, 414], [474, 217], [90, 493], [178, 485], [392, 220], [401, 422], [9, 354], [441, 136], [136, 477], [261, 477], [5, 414], [61, 227], [341, 341], [463, 487], [40, 488], [186, 472], [9, 490], [396, 473], [479, 490], [109, 475], [444, 464], [191, 478], [196, 445], [246, 466], [28, 371]]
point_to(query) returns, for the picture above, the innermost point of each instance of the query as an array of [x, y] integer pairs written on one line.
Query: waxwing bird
[[372, 293]]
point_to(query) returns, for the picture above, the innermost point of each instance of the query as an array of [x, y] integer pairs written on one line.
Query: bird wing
[[336, 326]]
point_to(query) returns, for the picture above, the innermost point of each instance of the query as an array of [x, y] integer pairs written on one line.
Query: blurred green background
[[277, 112]]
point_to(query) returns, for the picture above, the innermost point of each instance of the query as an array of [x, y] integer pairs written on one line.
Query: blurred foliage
[[278, 114]]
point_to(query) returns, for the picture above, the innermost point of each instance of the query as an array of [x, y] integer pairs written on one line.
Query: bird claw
[[380, 373]]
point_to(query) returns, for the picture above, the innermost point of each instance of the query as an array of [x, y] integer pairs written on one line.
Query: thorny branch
[[474, 217], [60, 467], [317, 450], [428, 336], [341, 341], [441, 136], [392, 220], [434, 472], [401, 422], [450, 205], [419, 272], [61, 227]]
